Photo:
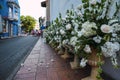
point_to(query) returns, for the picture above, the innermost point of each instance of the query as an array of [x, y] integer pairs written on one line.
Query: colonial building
[[54, 7], [9, 18]]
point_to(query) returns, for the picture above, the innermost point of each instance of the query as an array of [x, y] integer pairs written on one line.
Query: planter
[[76, 63], [66, 55], [56, 49], [92, 61], [60, 52]]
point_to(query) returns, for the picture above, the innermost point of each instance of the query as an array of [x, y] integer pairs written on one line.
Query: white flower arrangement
[[92, 27]]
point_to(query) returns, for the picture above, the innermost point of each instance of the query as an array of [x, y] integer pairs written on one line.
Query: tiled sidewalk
[[44, 64]]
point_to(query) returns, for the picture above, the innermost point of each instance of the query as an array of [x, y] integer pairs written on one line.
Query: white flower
[[72, 32], [80, 7], [75, 26], [62, 32], [79, 34], [77, 48], [87, 49], [87, 28], [83, 62], [114, 35], [73, 40], [77, 21], [106, 28], [73, 21], [68, 26], [116, 46], [110, 48], [89, 25], [64, 42], [57, 32], [93, 2], [51, 32], [97, 39], [66, 16], [80, 14]]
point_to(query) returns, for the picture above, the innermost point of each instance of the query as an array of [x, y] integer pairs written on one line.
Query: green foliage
[[28, 23]]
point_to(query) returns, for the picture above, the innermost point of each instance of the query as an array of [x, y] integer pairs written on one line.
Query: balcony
[[15, 18], [12, 17]]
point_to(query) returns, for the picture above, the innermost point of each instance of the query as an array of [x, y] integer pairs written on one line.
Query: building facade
[[54, 7], [9, 18], [61, 6]]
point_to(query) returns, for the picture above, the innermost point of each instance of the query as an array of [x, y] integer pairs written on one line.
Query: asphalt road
[[12, 52]]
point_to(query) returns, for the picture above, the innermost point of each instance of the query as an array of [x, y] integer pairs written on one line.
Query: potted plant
[[99, 33]]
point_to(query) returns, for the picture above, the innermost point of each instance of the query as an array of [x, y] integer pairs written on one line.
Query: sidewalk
[[44, 64]]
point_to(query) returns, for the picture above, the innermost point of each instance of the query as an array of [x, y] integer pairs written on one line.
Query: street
[[12, 52]]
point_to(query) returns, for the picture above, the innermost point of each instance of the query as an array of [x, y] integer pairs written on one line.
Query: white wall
[[61, 6], [113, 8]]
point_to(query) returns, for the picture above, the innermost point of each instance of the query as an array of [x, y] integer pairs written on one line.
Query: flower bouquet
[[99, 34]]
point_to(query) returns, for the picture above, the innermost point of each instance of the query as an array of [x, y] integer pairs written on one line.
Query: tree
[[27, 23]]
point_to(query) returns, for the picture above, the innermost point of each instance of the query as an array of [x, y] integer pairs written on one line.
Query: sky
[[32, 8]]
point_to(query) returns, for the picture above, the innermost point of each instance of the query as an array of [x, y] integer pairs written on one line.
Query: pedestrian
[[42, 30], [32, 32]]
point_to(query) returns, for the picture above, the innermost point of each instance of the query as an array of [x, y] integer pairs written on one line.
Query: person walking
[[42, 30]]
